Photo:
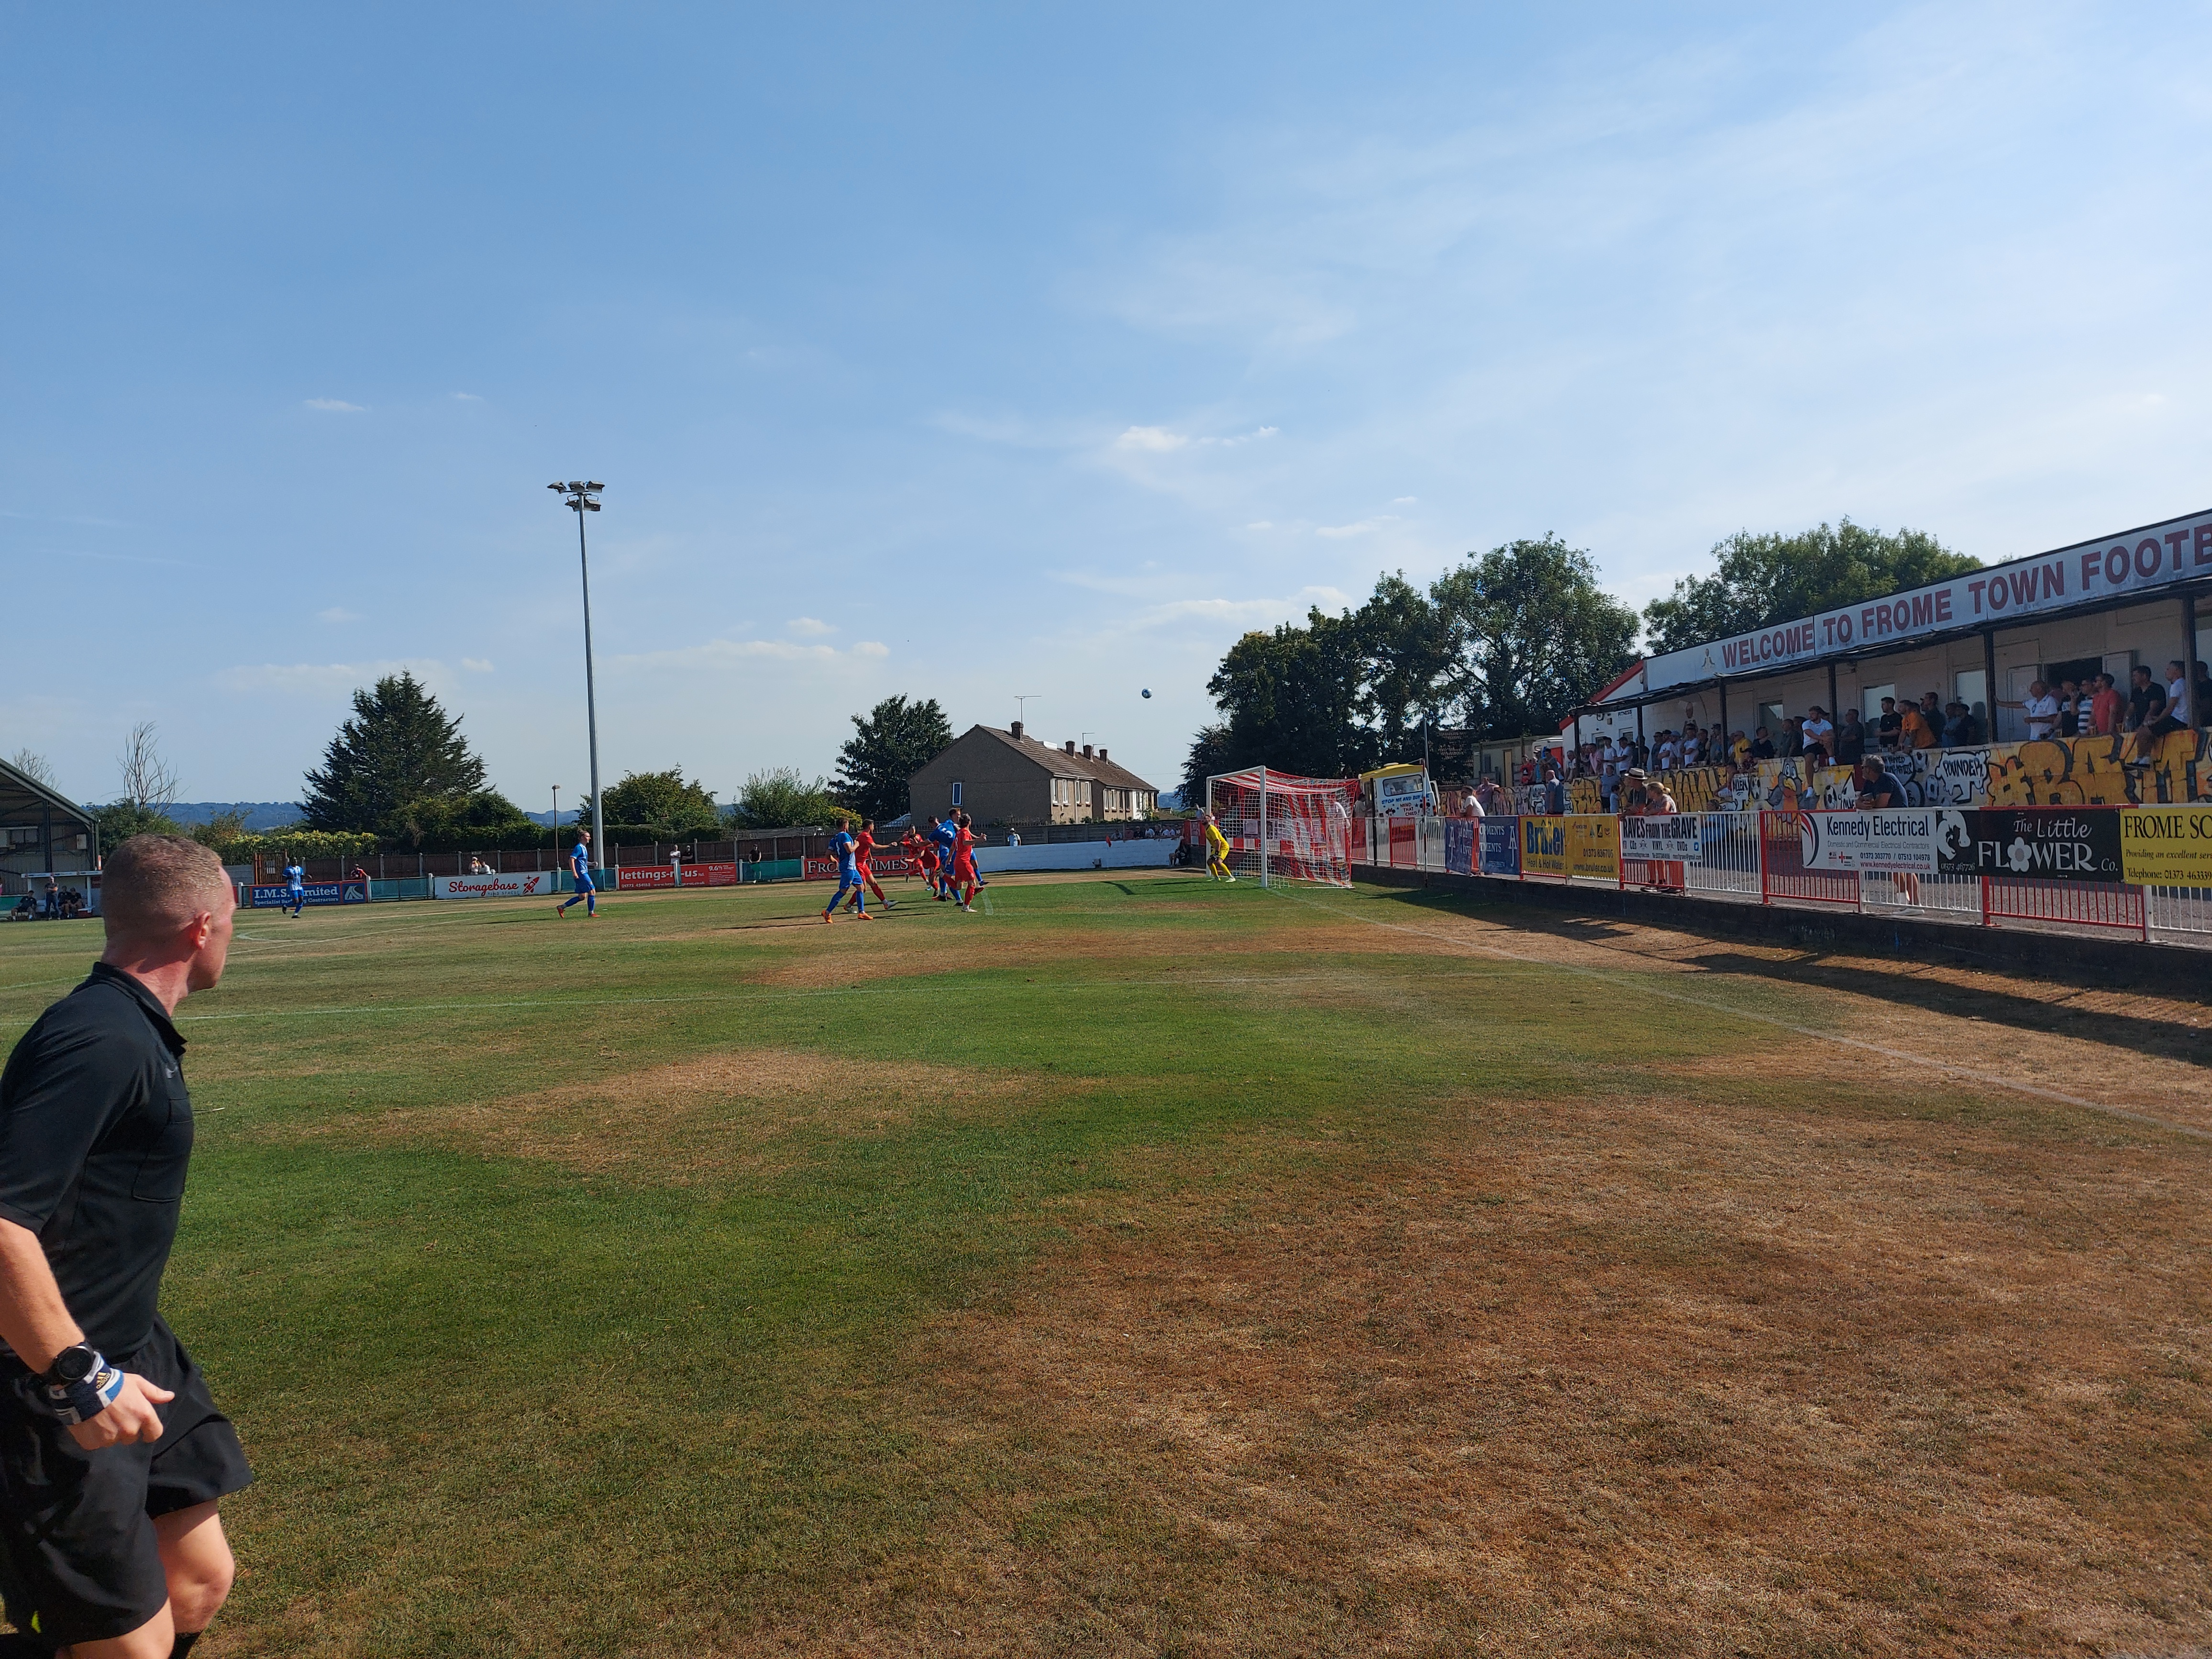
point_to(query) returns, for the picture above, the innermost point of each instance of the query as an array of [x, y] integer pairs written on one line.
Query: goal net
[[1282, 828]]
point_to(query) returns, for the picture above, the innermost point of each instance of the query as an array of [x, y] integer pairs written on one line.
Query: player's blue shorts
[[584, 884], [847, 879]]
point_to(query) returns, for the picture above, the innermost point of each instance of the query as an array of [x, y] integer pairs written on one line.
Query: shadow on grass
[[2035, 1006]]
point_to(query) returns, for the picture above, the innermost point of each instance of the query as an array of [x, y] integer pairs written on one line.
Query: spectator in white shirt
[[2041, 710], [1818, 728]]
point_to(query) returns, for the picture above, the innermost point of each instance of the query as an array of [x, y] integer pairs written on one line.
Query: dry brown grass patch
[[738, 1111], [1667, 1377]]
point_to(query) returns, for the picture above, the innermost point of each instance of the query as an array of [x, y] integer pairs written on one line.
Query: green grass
[[508, 1397]]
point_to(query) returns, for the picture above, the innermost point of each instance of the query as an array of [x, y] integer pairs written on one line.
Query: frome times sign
[[2167, 846], [269, 898], [1903, 840], [1499, 846], [2151, 557], [883, 864], [1674, 838], [2031, 843], [514, 883], [654, 877]]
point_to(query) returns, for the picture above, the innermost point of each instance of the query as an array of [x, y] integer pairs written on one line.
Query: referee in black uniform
[[112, 1452]]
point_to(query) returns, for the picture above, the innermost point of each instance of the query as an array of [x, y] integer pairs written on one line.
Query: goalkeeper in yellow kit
[[1217, 851]]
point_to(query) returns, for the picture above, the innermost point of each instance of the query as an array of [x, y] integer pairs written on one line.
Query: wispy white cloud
[[467, 397], [725, 652], [325, 679], [1240, 613], [477, 665], [1358, 527], [333, 405], [337, 613], [809, 627]]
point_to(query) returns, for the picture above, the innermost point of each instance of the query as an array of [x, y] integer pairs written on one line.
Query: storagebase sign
[[514, 883]]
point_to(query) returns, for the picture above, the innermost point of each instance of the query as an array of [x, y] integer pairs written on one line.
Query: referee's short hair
[[155, 884]]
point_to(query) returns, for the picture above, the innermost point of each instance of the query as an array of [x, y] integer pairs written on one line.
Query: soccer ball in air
[[1146, 692]]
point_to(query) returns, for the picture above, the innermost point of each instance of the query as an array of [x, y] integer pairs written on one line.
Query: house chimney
[[1018, 731], [1101, 751], [1071, 745], [1086, 751]]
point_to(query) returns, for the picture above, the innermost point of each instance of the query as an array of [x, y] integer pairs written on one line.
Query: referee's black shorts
[[78, 1558]]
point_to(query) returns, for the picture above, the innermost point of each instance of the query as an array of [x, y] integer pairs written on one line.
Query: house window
[[955, 791]]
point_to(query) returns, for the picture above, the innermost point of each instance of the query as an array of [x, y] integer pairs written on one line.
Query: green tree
[[1767, 578], [666, 803], [1532, 635], [1292, 698], [890, 743], [1406, 642], [123, 819], [1211, 750], [400, 750], [782, 799], [479, 821], [220, 831]]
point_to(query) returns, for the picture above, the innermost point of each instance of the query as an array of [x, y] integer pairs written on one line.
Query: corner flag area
[[1152, 1265]]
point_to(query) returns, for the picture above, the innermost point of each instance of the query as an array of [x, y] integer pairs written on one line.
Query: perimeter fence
[[1761, 858]]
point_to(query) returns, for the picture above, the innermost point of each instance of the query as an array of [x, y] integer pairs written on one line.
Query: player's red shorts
[[963, 869]]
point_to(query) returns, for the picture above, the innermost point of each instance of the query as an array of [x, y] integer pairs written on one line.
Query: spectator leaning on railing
[[1880, 789], [2041, 707]]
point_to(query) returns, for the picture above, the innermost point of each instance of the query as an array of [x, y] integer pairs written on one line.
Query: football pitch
[[1150, 1267]]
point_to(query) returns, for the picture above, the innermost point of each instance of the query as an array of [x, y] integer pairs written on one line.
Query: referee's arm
[[44, 1136]]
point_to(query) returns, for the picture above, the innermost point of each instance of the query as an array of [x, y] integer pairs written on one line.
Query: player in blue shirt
[[945, 832], [847, 852], [298, 872], [579, 869]]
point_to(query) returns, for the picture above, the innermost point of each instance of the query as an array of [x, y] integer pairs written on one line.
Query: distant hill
[[260, 814]]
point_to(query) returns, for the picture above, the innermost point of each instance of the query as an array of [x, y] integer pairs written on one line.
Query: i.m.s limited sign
[[2152, 556]]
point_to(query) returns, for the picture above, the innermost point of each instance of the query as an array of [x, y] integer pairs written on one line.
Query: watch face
[[75, 1364]]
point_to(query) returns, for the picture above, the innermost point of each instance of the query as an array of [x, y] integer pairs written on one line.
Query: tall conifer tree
[[400, 748]]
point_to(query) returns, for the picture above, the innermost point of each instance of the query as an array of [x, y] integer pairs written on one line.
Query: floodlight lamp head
[[595, 486], [590, 506]]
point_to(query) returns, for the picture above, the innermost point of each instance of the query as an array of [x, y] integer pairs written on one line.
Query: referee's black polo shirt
[[95, 1130]]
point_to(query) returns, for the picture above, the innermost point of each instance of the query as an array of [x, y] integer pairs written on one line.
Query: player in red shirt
[[924, 857], [866, 854], [963, 861]]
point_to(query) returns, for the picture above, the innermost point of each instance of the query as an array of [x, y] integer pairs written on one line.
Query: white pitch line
[[1642, 982]]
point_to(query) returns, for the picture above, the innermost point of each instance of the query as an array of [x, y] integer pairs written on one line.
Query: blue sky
[[971, 352]]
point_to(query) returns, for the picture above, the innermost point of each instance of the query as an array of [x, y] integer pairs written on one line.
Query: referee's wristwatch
[[81, 1384]]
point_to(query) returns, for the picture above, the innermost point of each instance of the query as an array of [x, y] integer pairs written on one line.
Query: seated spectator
[[2171, 714], [1880, 789], [1739, 750], [1793, 738], [2041, 707], [1850, 739], [1816, 756], [25, 908], [1889, 729], [1818, 728], [2109, 708], [2200, 696], [1762, 746], [2146, 701]]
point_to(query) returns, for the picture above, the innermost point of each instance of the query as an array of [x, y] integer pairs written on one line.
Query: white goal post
[[1283, 827]]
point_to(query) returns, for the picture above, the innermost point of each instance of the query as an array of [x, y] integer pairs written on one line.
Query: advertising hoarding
[[2030, 843], [1594, 847], [1900, 842], [1544, 846], [2167, 846], [1459, 846], [278, 896], [513, 884], [1499, 846], [1673, 839], [662, 877]]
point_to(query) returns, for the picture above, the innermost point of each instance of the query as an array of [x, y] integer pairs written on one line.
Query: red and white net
[[1282, 828]]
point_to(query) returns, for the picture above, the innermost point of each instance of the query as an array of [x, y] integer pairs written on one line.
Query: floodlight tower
[[581, 498]]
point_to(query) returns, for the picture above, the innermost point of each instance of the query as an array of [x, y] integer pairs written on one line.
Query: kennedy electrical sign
[[2156, 555]]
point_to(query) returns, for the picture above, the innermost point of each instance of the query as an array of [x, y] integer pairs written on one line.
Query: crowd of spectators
[[56, 903], [2095, 707]]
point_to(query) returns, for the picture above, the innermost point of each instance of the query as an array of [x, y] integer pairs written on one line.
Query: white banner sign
[[1901, 840], [1674, 838], [515, 883], [2152, 556]]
